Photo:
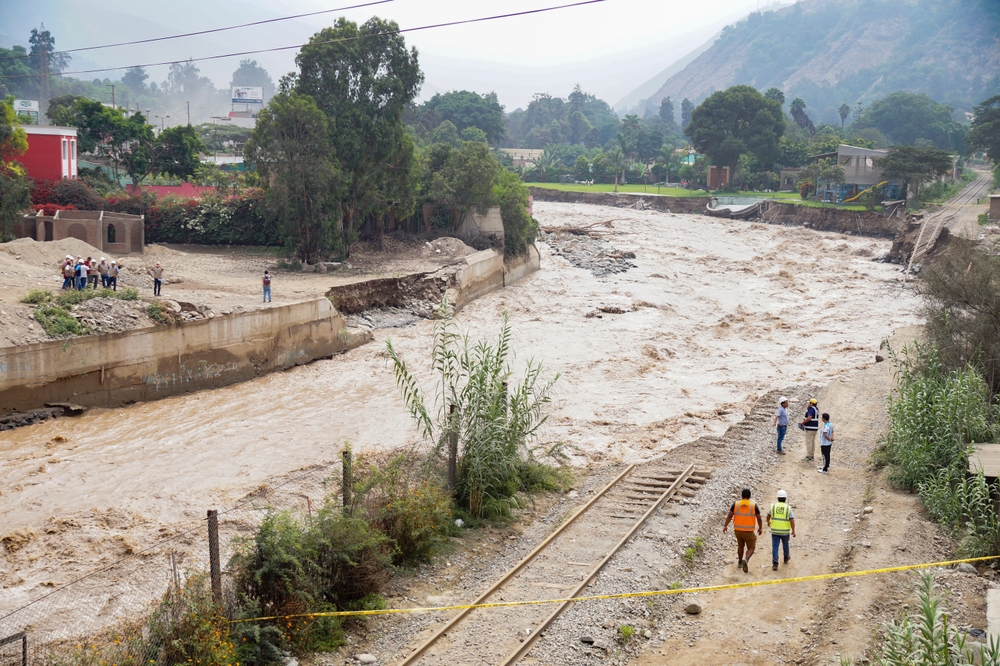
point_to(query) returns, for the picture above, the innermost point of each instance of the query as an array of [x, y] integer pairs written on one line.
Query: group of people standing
[[810, 425], [82, 272]]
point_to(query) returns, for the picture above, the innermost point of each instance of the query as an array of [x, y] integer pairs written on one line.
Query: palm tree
[[546, 163], [844, 111], [666, 157], [617, 159], [630, 125], [798, 110]]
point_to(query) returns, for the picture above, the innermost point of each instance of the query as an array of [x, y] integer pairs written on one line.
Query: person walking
[[810, 424], [156, 272], [781, 522], [102, 268], [113, 275], [743, 514], [267, 287], [826, 443], [781, 422]]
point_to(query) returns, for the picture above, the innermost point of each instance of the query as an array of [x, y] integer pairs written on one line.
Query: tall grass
[[925, 638], [492, 415], [935, 415]]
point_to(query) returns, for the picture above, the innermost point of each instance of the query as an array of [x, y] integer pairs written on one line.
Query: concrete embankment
[[854, 222], [153, 363], [462, 282]]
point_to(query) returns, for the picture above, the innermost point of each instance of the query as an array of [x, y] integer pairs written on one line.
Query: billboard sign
[[27, 107], [248, 95]]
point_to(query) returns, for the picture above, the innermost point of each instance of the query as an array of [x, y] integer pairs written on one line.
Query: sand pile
[[446, 248], [50, 253]]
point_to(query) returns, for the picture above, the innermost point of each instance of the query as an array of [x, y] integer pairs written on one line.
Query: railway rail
[[945, 216], [561, 567]]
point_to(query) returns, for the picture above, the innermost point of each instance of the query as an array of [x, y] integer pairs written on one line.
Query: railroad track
[[561, 567], [926, 239]]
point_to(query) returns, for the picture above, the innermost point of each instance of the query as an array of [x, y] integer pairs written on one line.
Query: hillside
[[833, 51]]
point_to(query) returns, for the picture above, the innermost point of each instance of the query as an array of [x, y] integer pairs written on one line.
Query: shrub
[[71, 194], [519, 228], [399, 501], [36, 296], [926, 638], [188, 627], [491, 419], [158, 313], [58, 322]]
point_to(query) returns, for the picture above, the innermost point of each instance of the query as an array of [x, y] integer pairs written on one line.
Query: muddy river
[[715, 313]]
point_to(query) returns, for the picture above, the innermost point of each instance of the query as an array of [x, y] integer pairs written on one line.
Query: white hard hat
[[782, 399], [69, 256], [782, 494], [102, 259], [113, 261]]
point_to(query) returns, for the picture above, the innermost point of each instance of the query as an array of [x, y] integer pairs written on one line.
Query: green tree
[[447, 133], [798, 111], [843, 112], [616, 158], [824, 171], [906, 118], [474, 134], [135, 79], [175, 152], [735, 121], [667, 110], [184, 80], [519, 228], [363, 78], [15, 195], [914, 165], [984, 135], [630, 130], [467, 109], [775, 94], [581, 168], [293, 152], [687, 107], [464, 177], [44, 57], [250, 73]]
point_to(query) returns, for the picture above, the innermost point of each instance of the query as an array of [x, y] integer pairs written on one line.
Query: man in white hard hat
[[781, 522], [781, 422]]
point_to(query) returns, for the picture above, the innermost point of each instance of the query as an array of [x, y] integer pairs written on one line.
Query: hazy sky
[[610, 48]]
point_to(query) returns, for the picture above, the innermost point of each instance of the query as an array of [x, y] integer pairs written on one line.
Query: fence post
[[452, 449], [348, 478], [213, 555]]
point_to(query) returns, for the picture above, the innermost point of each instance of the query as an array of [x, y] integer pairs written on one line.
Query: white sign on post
[[248, 95], [27, 107]]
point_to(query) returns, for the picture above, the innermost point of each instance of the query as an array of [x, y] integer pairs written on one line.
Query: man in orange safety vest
[[743, 515]]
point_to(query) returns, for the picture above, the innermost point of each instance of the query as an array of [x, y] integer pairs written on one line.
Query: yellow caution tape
[[624, 595]]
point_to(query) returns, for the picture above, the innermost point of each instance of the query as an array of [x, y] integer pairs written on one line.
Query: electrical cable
[[446, 24], [204, 32]]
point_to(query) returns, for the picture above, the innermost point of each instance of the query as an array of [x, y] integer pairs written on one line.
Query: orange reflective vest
[[745, 516]]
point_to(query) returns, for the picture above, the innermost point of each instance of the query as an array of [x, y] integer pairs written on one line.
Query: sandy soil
[[715, 313]]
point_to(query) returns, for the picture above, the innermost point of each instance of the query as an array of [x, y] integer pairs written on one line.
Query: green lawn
[[784, 197]]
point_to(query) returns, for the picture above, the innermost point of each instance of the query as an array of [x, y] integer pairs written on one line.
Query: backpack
[[267, 280]]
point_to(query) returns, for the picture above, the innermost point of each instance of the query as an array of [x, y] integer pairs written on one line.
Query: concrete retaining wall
[[152, 363]]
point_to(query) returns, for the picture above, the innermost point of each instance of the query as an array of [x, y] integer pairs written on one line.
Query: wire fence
[[103, 617]]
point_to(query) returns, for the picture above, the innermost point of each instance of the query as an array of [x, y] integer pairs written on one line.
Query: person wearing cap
[[810, 424], [113, 275], [743, 514], [781, 522], [781, 422], [102, 268]]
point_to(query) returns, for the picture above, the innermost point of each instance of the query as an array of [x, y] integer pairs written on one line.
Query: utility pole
[[112, 86], [189, 113]]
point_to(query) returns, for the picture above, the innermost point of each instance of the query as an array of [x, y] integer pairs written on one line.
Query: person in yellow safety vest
[[781, 522], [743, 515]]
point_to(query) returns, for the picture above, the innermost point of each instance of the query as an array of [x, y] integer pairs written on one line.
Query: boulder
[[965, 567], [308, 268], [692, 609], [366, 658]]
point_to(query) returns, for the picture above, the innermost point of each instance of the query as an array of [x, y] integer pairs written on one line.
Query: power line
[[206, 32], [447, 24]]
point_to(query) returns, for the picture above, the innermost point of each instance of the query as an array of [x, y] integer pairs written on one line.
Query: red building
[[51, 153]]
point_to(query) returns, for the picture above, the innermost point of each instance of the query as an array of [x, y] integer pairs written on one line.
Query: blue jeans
[[782, 429], [113, 283], [775, 540], [267, 293], [104, 280], [81, 282], [67, 283]]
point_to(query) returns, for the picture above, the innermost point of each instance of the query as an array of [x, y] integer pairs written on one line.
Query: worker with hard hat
[[781, 522], [781, 422], [810, 424], [744, 514]]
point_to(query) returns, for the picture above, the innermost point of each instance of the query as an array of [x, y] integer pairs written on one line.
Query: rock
[[692, 609], [366, 658], [647, 634], [321, 267], [290, 661], [879, 358], [608, 624], [173, 306], [459, 522], [965, 567], [587, 640], [308, 268], [332, 265], [867, 510]]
